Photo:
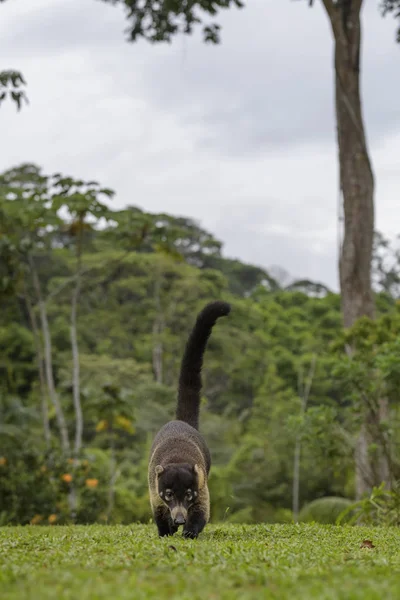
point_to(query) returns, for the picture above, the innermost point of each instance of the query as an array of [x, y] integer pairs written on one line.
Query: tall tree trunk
[[39, 360], [356, 177], [48, 360], [357, 187]]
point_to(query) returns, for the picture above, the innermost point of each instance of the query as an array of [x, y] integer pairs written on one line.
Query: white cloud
[[240, 136]]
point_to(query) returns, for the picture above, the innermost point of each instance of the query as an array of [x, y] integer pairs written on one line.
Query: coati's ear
[[159, 469], [200, 476]]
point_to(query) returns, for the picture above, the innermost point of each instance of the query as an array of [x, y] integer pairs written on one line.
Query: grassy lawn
[[263, 561]]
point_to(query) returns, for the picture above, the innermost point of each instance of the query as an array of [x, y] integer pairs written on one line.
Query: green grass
[[263, 561]]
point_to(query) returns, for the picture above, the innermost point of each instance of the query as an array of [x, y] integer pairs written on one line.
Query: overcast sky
[[239, 136]]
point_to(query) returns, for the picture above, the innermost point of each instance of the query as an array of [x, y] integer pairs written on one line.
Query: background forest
[[300, 400], [96, 307]]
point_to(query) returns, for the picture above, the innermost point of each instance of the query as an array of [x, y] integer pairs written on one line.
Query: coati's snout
[[178, 488], [179, 515]]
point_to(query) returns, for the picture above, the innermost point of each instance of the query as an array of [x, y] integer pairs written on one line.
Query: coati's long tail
[[190, 376]]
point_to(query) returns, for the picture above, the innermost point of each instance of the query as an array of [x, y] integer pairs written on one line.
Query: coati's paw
[[163, 531], [194, 525], [167, 531], [192, 530], [165, 527], [192, 534]]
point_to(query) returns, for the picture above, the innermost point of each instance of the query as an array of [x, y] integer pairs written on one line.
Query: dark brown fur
[[179, 459]]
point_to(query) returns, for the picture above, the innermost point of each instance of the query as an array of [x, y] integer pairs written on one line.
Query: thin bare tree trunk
[[357, 186], [76, 392], [48, 360], [76, 370], [385, 468], [113, 476], [157, 352], [158, 328], [39, 360], [73, 497], [304, 392], [296, 479]]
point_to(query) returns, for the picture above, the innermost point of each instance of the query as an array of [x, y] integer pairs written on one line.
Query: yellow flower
[[36, 519], [102, 426], [66, 477], [3, 461], [52, 519], [92, 483], [125, 424]]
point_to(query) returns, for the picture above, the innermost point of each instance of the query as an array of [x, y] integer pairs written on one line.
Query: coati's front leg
[[195, 524], [199, 514], [164, 523]]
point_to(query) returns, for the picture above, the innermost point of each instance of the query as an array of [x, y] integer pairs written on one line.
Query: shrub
[[324, 510]]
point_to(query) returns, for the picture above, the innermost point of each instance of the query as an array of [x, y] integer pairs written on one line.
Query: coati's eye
[[189, 495], [168, 495]]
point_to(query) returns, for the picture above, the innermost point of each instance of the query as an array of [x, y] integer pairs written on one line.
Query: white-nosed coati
[[179, 458]]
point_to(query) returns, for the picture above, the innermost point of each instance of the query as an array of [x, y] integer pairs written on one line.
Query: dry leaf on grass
[[367, 544]]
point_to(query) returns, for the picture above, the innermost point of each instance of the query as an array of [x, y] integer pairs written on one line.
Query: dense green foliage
[[142, 279], [278, 562]]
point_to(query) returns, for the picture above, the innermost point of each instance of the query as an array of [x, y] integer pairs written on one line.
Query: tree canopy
[[160, 21]]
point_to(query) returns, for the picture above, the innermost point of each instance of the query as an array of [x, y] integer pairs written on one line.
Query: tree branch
[[330, 8], [74, 277]]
